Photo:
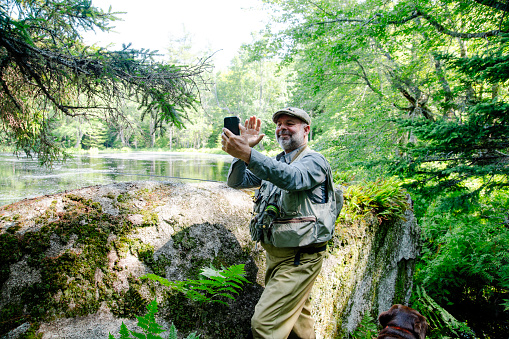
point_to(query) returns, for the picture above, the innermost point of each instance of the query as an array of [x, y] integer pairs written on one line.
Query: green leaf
[[124, 332], [138, 335], [173, 332], [210, 272], [226, 295]]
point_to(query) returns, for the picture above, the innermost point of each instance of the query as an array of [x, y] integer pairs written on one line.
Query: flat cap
[[294, 112]]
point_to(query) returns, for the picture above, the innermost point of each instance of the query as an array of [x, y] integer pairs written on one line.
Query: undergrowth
[[385, 198], [217, 284], [213, 287], [367, 328], [441, 324], [151, 329]]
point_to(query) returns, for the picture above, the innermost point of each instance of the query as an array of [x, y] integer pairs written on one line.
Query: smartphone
[[232, 123]]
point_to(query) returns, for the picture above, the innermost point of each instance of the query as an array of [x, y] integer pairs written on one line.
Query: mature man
[[294, 217]]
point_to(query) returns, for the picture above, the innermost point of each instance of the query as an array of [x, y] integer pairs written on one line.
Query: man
[[294, 218]]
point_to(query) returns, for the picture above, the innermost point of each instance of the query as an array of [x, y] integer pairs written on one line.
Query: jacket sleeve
[[240, 177], [304, 174]]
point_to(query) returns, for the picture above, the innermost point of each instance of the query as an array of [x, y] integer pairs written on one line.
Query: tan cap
[[294, 112]]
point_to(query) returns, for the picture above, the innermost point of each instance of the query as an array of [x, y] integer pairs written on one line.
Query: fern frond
[[219, 279], [234, 271], [153, 336], [173, 332], [203, 288], [193, 336], [159, 279], [224, 282], [226, 295], [209, 272], [124, 332], [138, 335], [232, 290], [155, 328], [231, 284]]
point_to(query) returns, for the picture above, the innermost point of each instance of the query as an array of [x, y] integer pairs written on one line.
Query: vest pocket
[[291, 203], [294, 232]]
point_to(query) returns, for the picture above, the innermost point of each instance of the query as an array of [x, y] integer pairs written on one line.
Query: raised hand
[[251, 130], [240, 146]]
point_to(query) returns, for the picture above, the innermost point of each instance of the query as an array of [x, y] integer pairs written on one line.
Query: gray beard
[[291, 144], [286, 144]]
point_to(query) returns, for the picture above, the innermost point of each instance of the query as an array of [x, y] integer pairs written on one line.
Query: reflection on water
[[22, 177]]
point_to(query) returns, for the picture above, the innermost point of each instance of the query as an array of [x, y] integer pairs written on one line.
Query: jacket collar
[[289, 157]]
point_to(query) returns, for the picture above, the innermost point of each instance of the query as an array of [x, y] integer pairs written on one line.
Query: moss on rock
[[83, 258], [79, 256]]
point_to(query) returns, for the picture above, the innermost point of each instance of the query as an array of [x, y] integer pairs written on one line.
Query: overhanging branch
[[440, 28], [419, 13], [494, 4]]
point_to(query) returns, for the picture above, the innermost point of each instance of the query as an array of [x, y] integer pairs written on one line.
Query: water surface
[[22, 177]]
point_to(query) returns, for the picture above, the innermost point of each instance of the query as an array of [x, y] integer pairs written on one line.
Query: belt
[[307, 250]]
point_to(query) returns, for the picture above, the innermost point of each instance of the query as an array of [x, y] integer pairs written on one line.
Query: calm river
[[22, 178]]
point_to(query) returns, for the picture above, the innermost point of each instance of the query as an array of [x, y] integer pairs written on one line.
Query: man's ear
[[307, 128]]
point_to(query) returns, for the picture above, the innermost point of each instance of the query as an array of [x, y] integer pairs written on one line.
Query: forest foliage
[[410, 93], [417, 90]]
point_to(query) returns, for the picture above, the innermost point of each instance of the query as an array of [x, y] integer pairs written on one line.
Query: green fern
[[367, 328], [440, 321], [151, 329], [385, 198], [215, 285]]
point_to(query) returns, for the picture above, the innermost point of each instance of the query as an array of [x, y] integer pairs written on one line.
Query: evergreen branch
[[44, 63]]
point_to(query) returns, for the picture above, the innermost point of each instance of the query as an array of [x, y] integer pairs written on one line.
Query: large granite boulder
[[70, 263]]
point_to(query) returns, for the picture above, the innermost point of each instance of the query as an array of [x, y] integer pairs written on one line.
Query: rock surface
[[73, 262]]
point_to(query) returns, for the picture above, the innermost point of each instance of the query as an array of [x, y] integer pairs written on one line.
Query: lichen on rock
[[71, 263]]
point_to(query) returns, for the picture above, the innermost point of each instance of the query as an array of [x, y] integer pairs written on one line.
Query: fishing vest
[[291, 219]]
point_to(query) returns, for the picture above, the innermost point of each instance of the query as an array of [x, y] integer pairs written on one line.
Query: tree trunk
[[470, 91], [261, 87], [170, 136], [79, 136], [152, 132]]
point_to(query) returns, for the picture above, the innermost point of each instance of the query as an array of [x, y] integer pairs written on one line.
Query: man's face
[[291, 132]]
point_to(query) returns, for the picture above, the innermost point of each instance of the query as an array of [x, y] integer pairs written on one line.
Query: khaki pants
[[283, 310]]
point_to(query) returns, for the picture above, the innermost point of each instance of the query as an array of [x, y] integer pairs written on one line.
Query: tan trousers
[[283, 310]]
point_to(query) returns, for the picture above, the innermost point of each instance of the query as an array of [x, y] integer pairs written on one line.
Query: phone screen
[[232, 123]]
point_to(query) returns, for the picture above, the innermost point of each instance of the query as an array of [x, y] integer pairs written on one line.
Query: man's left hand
[[236, 145], [239, 146]]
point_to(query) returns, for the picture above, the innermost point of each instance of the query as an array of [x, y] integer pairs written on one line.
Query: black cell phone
[[232, 123]]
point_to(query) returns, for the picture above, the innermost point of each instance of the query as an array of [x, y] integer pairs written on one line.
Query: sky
[[222, 25]]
